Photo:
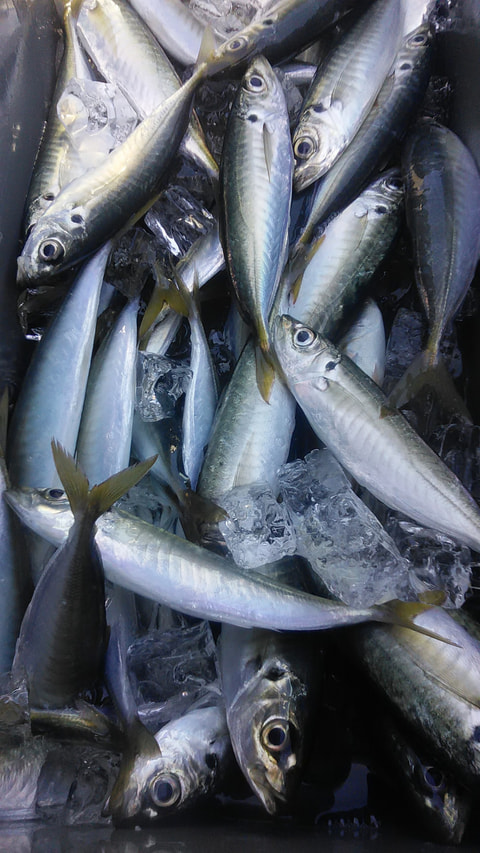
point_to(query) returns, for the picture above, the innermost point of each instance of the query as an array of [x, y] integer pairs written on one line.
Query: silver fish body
[[365, 343], [442, 186], [256, 170], [49, 170], [434, 687], [250, 438], [373, 441], [396, 102], [342, 260], [126, 53], [111, 196], [167, 569], [52, 395], [344, 89]]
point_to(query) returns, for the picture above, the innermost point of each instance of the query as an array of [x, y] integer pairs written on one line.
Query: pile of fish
[[211, 293]]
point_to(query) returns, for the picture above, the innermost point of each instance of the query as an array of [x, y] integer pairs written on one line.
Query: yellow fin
[[100, 498], [403, 613], [265, 374], [208, 48], [157, 300]]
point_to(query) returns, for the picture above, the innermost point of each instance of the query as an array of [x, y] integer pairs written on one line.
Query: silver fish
[[111, 196], [373, 441], [255, 176], [168, 569], [344, 89]]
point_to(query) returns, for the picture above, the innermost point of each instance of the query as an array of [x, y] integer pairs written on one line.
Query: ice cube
[[437, 561], [160, 382], [346, 545], [172, 670], [258, 529]]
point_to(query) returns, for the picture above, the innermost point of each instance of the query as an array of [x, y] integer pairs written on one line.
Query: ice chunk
[[437, 561], [346, 545], [404, 343], [97, 117], [258, 529], [144, 501], [173, 670], [181, 214], [160, 382]]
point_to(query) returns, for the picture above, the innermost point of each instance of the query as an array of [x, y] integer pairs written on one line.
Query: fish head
[[45, 511], [160, 779], [260, 94], [265, 724], [385, 195], [304, 355], [53, 244], [241, 45], [317, 142]]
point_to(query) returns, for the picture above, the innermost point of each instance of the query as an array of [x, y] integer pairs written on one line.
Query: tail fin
[[403, 613], [101, 497], [427, 372]]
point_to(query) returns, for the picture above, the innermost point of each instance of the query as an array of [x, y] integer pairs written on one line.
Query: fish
[[166, 568], [127, 54], [372, 440], [384, 125], [255, 180], [281, 30], [344, 89], [442, 186], [176, 27], [364, 342], [105, 431], [240, 450], [111, 196], [270, 686], [51, 170], [339, 264], [53, 391], [193, 757], [433, 687], [63, 636]]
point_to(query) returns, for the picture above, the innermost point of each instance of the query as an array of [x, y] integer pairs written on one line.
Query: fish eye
[[255, 83], [419, 39], [381, 209], [275, 735], [303, 337], [77, 218], [54, 494], [318, 108], [51, 250], [268, 22], [238, 43], [434, 778], [304, 147], [49, 196], [165, 791], [405, 66], [394, 184]]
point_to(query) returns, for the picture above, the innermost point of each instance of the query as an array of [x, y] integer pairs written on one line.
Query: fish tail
[[428, 371], [403, 614], [99, 498]]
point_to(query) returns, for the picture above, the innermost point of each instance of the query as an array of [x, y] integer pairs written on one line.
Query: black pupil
[[405, 66], [303, 337], [236, 44], [319, 108], [380, 208], [303, 148], [56, 493], [49, 250], [164, 792], [276, 736], [433, 776], [256, 82]]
